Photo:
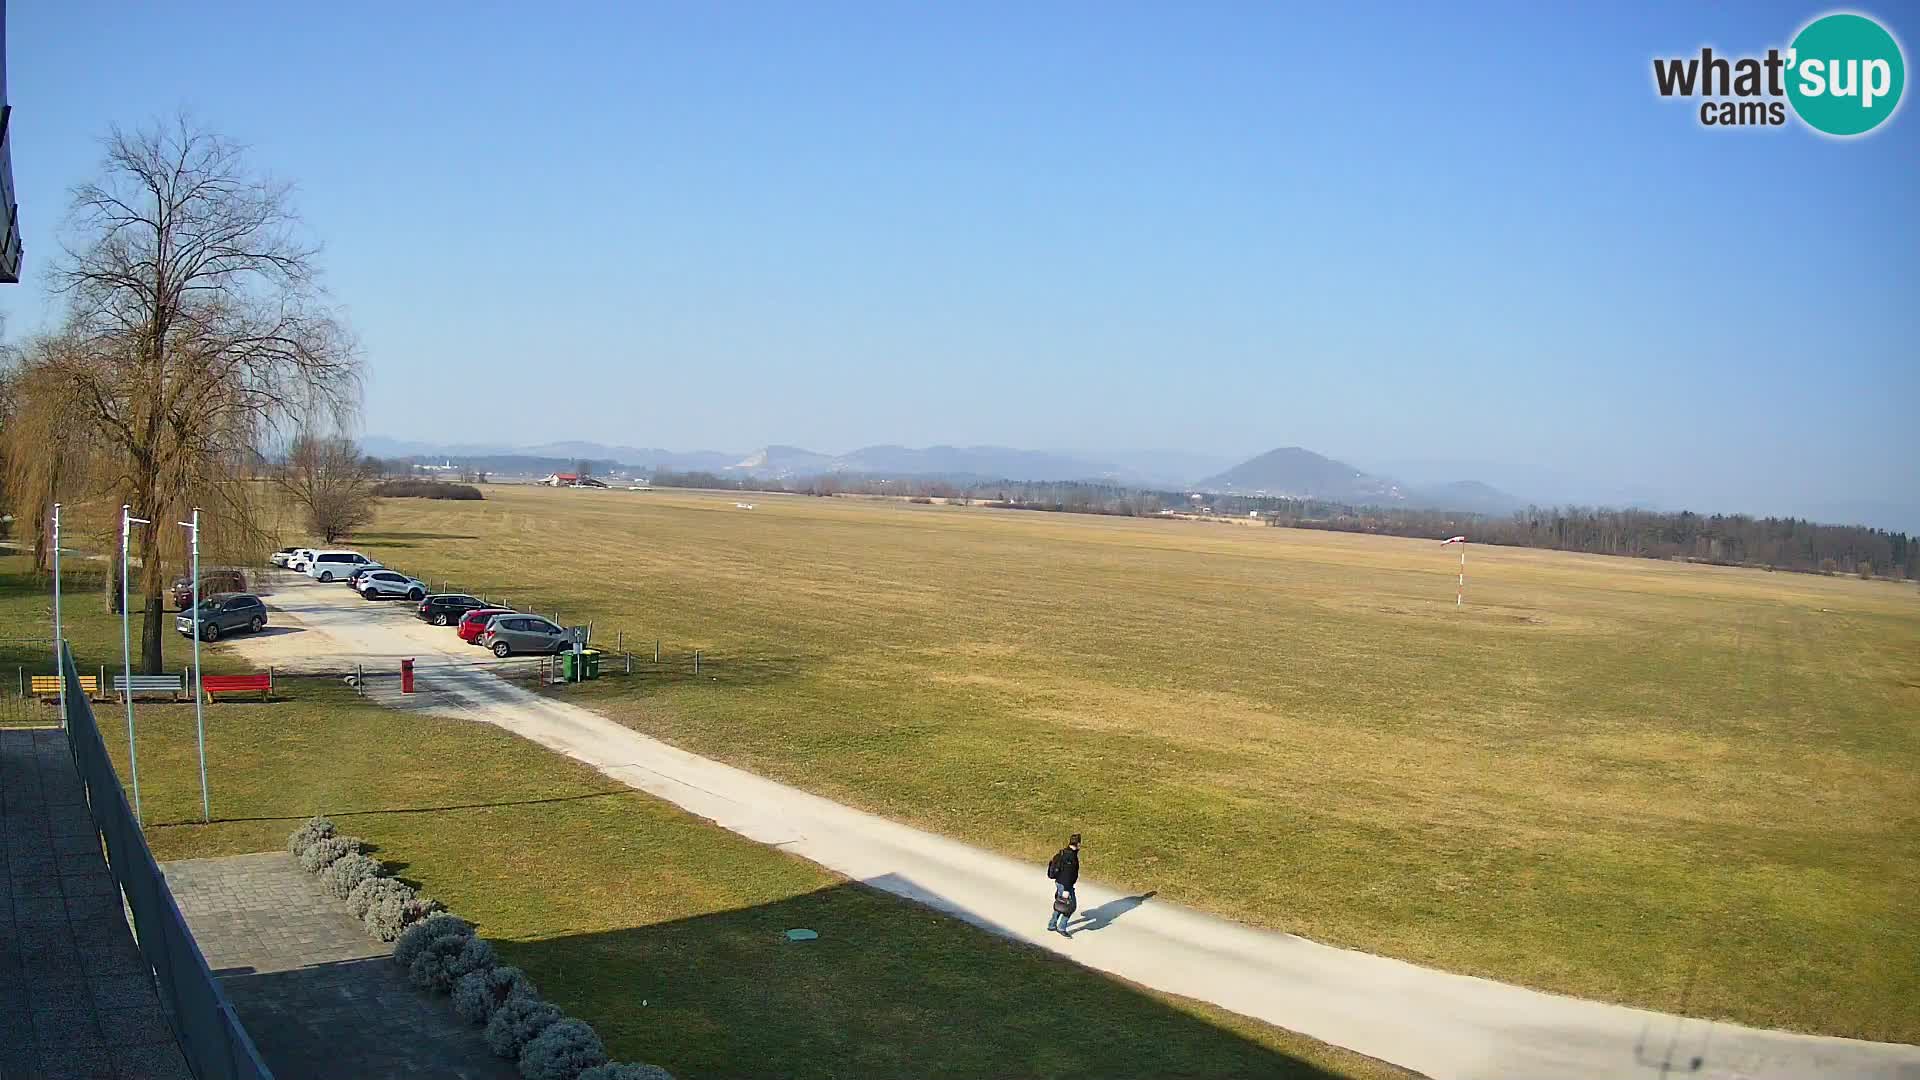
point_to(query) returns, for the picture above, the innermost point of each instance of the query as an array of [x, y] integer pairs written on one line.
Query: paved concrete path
[[76, 997], [320, 998], [1451, 1027]]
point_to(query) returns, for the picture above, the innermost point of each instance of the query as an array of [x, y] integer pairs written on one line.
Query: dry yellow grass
[[1686, 787]]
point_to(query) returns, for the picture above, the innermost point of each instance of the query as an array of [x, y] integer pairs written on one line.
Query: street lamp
[[199, 721], [127, 522]]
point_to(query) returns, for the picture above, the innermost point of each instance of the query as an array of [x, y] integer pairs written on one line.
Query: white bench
[[169, 685]]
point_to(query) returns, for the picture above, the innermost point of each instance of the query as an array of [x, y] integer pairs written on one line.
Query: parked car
[[224, 613], [297, 562], [474, 623], [279, 558], [517, 633], [211, 581], [335, 565], [389, 585], [445, 609]]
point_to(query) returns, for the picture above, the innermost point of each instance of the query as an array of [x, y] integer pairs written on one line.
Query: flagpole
[[127, 521], [59, 653]]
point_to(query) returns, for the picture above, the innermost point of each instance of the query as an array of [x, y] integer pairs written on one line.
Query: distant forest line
[[1772, 543]]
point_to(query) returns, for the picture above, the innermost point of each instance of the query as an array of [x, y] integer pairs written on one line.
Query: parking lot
[[328, 628]]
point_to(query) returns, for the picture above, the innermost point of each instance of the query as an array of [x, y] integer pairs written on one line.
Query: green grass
[[1689, 788], [663, 931]]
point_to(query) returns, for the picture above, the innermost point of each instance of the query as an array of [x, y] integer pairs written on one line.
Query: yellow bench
[[49, 685]]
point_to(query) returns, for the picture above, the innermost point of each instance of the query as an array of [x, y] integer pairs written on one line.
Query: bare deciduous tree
[[329, 479], [196, 330]]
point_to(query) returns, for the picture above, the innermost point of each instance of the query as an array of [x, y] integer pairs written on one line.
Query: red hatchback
[[474, 622]]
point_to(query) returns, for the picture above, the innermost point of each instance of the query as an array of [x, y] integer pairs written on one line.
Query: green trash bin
[[590, 664], [567, 671]]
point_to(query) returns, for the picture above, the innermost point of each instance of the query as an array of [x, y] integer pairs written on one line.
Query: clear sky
[[1393, 234]]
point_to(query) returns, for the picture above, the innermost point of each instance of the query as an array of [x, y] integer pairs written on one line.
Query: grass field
[[610, 898], [1689, 788]]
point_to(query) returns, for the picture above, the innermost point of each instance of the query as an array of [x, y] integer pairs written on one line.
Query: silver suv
[[224, 613], [520, 633]]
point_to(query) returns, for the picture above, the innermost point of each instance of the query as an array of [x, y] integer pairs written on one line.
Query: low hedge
[[440, 952]]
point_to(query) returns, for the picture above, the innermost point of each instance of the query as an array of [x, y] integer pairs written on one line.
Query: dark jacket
[[1067, 867]]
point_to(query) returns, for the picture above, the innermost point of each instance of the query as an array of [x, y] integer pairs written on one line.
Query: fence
[[210, 1035]]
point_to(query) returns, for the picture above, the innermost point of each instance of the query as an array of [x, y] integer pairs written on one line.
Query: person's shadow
[[1099, 918]]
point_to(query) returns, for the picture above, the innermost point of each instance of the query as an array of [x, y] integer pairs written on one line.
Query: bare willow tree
[[197, 331], [48, 450], [328, 478]]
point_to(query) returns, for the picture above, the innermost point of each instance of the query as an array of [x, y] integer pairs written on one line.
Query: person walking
[[1064, 869]]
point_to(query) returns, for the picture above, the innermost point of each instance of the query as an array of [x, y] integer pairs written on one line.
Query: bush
[[621, 1070], [516, 1022], [562, 1051], [346, 873], [316, 828], [478, 993], [427, 489], [392, 912], [442, 962], [323, 853], [362, 897], [427, 930]]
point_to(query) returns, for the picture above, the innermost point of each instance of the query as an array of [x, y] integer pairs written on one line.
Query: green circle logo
[[1845, 74]]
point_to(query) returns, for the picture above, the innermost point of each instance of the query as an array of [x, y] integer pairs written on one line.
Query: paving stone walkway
[[321, 999], [76, 998]]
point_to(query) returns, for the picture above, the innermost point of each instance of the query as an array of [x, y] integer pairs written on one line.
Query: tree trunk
[[152, 584], [151, 662]]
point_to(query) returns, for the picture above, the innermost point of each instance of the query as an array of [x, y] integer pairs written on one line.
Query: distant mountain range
[[1290, 471], [1297, 473]]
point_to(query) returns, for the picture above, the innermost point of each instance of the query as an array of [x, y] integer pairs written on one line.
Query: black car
[[445, 609]]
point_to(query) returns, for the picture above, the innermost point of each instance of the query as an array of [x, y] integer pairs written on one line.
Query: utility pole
[[199, 720], [127, 522]]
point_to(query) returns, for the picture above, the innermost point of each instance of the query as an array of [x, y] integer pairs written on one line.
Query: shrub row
[[441, 954]]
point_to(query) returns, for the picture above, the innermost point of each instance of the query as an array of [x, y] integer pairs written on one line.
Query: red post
[[406, 676]]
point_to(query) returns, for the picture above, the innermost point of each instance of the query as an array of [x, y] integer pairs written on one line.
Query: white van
[[335, 565]]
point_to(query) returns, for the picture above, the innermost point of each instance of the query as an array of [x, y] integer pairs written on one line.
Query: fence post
[[696, 661], [656, 650], [23, 680], [269, 680], [620, 640], [629, 657]]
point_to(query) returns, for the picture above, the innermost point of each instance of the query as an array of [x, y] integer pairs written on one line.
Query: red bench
[[237, 684]]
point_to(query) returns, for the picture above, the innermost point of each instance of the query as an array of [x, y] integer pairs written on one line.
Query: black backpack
[[1053, 866]]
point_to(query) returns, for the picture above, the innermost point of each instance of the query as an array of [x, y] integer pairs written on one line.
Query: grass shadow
[[888, 989]]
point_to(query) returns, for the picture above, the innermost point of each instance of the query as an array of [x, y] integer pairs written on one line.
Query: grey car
[[224, 613], [516, 632]]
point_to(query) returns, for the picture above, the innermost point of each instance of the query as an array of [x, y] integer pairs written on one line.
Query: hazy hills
[[1291, 471]]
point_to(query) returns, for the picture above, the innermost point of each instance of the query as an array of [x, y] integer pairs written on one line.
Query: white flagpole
[[1460, 591], [126, 649], [199, 720], [59, 652]]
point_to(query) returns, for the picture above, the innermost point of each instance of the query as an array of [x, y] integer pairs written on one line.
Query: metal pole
[[656, 650], [696, 661], [199, 717], [126, 648], [59, 652]]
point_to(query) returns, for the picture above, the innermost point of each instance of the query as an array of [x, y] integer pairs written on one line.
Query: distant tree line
[[427, 489], [1726, 539]]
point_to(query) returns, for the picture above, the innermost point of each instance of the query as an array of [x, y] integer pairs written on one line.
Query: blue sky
[[1434, 237]]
